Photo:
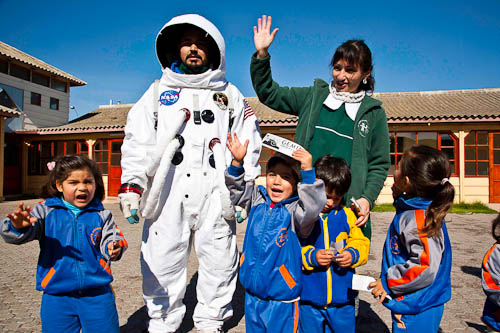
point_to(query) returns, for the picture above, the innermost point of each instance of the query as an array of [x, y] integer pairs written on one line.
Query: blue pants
[[270, 316], [427, 321], [92, 310], [340, 318]]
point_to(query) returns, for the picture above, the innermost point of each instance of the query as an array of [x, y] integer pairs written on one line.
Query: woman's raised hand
[[262, 36]]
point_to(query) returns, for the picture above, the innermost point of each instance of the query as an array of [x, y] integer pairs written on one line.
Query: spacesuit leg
[[164, 254], [215, 246]]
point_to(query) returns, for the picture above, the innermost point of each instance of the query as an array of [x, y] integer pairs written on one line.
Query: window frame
[[39, 96], [21, 69], [37, 164], [397, 155], [52, 100], [99, 161], [476, 150]]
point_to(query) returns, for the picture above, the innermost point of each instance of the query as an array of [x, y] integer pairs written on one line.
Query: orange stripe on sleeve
[[288, 278], [47, 277], [242, 258], [414, 272], [106, 267], [486, 273]]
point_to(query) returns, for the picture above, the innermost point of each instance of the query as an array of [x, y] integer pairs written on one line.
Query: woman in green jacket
[[337, 118]]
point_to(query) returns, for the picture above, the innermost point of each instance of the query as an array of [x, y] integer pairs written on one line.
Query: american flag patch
[[248, 110]]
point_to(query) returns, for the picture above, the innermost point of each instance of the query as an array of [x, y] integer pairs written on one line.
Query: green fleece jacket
[[370, 150]]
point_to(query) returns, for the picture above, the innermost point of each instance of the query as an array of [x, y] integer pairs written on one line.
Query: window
[[445, 141], [101, 155], [36, 99], [4, 66], [58, 85], [20, 72], [42, 152], [40, 79], [476, 154], [54, 103]]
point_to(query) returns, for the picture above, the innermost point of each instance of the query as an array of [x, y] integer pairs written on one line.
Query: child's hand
[[237, 149], [114, 248], [378, 290], [324, 257], [21, 217], [304, 158], [344, 259]]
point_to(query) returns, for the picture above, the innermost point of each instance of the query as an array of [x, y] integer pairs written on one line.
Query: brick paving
[[20, 302]]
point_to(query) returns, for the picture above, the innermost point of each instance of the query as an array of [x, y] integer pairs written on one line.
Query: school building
[[33, 94], [465, 124]]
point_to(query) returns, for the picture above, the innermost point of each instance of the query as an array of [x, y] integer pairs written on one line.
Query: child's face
[[401, 183], [280, 183], [78, 188], [332, 200]]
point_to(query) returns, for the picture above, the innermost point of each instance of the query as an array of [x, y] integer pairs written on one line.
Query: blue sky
[[417, 45]]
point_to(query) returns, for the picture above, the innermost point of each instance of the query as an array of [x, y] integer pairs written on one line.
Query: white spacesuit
[[169, 152]]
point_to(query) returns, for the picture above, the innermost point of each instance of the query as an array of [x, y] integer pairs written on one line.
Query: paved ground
[[20, 302]]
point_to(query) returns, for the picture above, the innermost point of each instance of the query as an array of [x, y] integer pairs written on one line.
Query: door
[[115, 169], [494, 167], [12, 165]]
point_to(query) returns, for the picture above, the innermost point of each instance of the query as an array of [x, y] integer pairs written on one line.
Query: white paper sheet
[[280, 144]]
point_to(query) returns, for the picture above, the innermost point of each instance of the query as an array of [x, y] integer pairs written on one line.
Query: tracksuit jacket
[[415, 268], [333, 284], [270, 263], [491, 285], [370, 148], [73, 250]]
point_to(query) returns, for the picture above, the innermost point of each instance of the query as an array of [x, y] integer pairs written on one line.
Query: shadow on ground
[[368, 321], [137, 322], [475, 271]]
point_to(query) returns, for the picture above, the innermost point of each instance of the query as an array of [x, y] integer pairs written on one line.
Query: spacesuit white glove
[[129, 204]]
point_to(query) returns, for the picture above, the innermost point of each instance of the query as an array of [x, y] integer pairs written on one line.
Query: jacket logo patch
[[363, 128], [169, 97], [95, 236], [395, 244], [281, 238]]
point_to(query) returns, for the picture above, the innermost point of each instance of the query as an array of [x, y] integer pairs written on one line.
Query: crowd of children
[[300, 249]]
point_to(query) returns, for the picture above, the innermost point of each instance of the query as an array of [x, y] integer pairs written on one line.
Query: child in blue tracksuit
[[490, 280], [270, 263], [416, 262], [78, 239], [327, 299]]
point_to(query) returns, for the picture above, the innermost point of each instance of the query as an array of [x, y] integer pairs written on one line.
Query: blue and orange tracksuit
[[270, 263], [72, 270], [490, 280], [415, 269], [327, 296]]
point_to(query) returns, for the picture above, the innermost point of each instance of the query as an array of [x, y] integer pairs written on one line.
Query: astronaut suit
[[170, 158]]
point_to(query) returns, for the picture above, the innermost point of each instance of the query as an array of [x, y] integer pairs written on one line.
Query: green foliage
[[458, 208]]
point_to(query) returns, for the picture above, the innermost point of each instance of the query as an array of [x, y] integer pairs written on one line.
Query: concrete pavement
[[20, 302]]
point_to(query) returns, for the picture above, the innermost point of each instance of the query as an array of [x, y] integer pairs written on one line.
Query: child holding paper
[[270, 263], [335, 246], [416, 262]]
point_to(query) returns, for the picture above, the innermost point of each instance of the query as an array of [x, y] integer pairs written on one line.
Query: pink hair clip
[[51, 165]]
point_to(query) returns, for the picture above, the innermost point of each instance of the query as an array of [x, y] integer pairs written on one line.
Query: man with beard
[[174, 156]]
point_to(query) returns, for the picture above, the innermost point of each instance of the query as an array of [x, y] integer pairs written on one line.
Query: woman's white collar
[[335, 99]]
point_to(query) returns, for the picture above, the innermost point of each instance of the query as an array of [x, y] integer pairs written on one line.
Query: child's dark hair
[[64, 165], [495, 228], [429, 170], [334, 172], [357, 53], [285, 160]]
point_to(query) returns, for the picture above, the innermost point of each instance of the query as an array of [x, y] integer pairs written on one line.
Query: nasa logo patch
[[169, 97], [95, 236], [281, 238], [395, 244]]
